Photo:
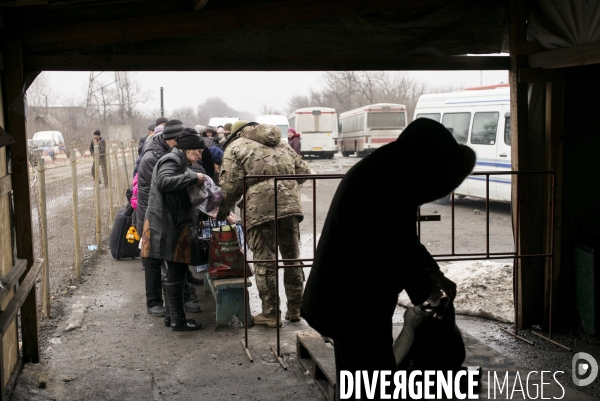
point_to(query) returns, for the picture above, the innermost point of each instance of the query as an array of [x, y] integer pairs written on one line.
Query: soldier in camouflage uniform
[[254, 149]]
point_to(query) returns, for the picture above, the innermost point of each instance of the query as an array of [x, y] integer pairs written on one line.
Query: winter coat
[[382, 258], [101, 147], [153, 151], [295, 143], [134, 190], [141, 143], [260, 151], [170, 224], [209, 141]]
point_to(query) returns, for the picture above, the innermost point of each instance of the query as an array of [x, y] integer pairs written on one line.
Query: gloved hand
[[445, 284]]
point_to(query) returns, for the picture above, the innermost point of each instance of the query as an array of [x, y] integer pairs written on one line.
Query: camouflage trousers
[[261, 240]]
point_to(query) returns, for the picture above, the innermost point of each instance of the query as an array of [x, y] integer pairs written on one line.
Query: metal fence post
[[97, 192], [125, 166], [43, 220], [77, 251]]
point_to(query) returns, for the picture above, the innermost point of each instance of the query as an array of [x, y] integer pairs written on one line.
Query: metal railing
[[452, 256]]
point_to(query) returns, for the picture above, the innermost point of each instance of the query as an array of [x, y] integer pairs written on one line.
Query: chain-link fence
[[77, 209]]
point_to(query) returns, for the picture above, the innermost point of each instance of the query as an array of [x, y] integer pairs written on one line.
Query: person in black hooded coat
[[359, 271]]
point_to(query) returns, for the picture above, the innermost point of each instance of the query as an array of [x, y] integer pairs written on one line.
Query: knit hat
[[97, 132], [161, 120], [227, 127], [189, 139], [151, 127], [172, 129]]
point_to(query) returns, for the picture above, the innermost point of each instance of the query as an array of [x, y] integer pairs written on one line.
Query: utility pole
[[162, 106]]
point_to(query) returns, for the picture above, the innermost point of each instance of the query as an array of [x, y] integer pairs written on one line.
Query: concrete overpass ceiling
[[257, 35]]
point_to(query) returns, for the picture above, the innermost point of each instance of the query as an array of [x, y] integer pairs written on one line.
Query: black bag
[[430, 339], [204, 240], [119, 246]]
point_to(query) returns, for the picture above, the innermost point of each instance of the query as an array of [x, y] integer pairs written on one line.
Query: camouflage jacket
[[260, 151]]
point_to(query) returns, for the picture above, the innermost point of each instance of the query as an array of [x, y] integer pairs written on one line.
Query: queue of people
[[173, 157]]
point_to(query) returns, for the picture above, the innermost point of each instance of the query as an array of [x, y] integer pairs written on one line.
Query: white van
[[53, 141], [480, 119], [217, 121], [275, 119], [318, 129]]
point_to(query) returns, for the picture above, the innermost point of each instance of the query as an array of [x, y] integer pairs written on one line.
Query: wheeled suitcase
[[120, 247]]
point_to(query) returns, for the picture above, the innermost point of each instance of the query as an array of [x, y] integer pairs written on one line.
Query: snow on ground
[[485, 289]]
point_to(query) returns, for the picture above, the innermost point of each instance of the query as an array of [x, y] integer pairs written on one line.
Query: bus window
[[317, 123], [389, 119], [431, 116], [485, 126], [458, 124], [293, 122], [507, 131]]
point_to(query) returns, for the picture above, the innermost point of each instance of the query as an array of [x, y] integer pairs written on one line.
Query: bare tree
[[346, 90], [267, 109], [186, 115]]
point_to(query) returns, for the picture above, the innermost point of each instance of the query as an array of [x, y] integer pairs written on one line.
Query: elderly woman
[[170, 226]]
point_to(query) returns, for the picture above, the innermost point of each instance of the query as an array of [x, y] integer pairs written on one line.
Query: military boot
[[266, 320], [293, 315]]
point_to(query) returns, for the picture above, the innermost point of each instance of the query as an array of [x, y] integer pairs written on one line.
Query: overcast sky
[[244, 91]]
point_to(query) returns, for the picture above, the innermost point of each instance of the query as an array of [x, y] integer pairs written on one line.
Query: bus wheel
[[345, 154]]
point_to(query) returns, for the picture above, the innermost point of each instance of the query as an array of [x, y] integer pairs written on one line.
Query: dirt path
[[116, 351]]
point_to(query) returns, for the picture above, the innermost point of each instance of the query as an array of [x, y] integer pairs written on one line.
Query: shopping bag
[[430, 339], [206, 197], [226, 256]]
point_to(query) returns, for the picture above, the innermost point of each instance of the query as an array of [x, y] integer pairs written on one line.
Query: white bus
[[275, 119], [215, 122], [480, 119], [318, 129], [367, 128]]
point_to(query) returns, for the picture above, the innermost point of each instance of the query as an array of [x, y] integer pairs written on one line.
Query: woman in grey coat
[[170, 223]]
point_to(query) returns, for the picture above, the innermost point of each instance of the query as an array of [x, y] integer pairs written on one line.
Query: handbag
[[430, 339], [226, 257]]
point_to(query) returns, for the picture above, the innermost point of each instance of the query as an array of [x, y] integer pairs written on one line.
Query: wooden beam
[[134, 29], [5, 185], [198, 5], [519, 132], [531, 75], [567, 57], [13, 74], [10, 279], [18, 300], [264, 63]]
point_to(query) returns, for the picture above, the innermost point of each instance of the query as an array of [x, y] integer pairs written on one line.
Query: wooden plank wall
[[10, 349]]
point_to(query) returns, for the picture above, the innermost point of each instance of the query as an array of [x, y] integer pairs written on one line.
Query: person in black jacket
[[422, 165], [156, 148], [170, 225]]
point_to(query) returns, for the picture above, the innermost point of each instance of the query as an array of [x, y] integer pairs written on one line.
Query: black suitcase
[[119, 246]]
